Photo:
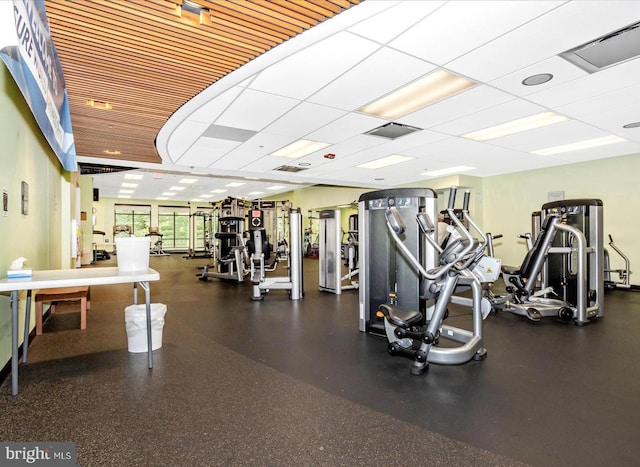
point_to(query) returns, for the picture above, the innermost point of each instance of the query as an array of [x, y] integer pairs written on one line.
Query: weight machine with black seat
[[566, 260], [261, 260], [229, 258], [407, 246]]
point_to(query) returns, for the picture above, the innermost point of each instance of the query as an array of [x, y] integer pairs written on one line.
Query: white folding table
[[55, 278]]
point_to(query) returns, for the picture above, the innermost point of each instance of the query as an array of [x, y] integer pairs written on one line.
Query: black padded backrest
[[259, 244], [528, 261]]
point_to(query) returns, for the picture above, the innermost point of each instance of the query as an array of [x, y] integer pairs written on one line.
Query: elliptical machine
[[407, 332]]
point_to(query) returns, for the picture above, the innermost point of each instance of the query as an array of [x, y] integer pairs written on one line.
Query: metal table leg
[[14, 342], [27, 318]]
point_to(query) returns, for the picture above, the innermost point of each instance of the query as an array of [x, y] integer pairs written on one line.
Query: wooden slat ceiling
[[148, 57]]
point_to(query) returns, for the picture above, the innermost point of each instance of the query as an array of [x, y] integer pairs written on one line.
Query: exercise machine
[[229, 255], [386, 274], [260, 259], [624, 274], [419, 336], [201, 221], [331, 254], [156, 247], [566, 259]]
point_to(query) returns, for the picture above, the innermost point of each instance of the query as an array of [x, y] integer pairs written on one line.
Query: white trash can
[[135, 321]]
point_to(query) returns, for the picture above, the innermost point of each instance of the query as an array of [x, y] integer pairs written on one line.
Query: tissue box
[[16, 273]]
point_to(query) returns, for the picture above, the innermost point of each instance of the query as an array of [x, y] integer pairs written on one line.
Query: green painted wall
[[26, 156]]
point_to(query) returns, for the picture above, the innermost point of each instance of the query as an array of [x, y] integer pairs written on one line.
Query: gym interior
[[330, 321]]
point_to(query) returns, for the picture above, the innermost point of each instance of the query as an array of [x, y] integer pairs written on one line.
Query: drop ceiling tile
[[260, 145], [604, 104], [212, 109], [314, 66], [459, 27], [205, 151], [601, 152], [345, 127], [183, 137], [562, 72], [496, 115], [589, 86], [377, 75], [303, 119], [254, 110], [568, 26], [553, 135], [395, 20], [458, 106]]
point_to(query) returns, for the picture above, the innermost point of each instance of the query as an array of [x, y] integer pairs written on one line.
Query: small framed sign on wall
[[25, 198]]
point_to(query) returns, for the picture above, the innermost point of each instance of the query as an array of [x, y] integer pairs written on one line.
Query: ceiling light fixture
[[126, 192], [128, 185], [276, 187], [234, 184], [177, 188], [516, 126], [124, 196], [300, 148], [385, 162], [188, 180], [99, 105], [254, 193], [169, 193], [219, 190], [535, 80], [451, 170], [427, 90], [587, 144], [133, 176]]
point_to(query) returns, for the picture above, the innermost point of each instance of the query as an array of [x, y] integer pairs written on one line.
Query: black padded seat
[[398, 316]]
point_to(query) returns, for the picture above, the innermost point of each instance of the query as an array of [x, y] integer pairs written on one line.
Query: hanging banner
[[28, 51]]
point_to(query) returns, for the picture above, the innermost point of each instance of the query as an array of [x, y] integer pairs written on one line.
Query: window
[[173, 222], [137, 217]]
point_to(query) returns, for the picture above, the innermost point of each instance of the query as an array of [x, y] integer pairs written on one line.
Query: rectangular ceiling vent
[[392, 130], [290, 168], [606, 51]]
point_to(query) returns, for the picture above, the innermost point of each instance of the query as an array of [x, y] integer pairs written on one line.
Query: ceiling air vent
[[606, 51], [98, 169], [289, 168], [392, 130]]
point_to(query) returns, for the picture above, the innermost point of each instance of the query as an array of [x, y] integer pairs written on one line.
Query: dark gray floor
[[294, 383]]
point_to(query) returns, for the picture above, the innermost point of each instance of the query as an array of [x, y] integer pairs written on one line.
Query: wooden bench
[[63, 294]]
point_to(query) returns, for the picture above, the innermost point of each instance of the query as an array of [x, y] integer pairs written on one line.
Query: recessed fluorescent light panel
[[133, 176], [256, 193], [162, 198], [276, 187], [128, 185], [589, 143], [126, 192], [425, 91], [219, 190], [451, 170], [300, 148], [516, 126], [188, 180], [169, 193], [234, 184], [385, 162], [177, 188], [124, 196]]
